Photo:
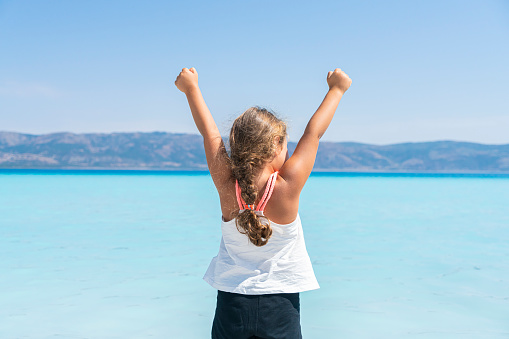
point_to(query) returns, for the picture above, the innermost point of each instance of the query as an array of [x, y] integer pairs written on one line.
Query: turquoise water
[[122, 255]]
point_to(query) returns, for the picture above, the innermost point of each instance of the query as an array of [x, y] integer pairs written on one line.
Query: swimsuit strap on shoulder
[[266, 195], [268, 192], [242, 204]]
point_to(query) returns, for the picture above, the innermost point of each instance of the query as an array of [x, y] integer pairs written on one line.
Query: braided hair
[[252, 145]]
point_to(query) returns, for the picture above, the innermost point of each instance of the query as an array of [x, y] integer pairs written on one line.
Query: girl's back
[[282, 265], [280, 208]]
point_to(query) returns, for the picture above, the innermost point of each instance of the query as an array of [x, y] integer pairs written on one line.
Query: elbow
[[314, 132]]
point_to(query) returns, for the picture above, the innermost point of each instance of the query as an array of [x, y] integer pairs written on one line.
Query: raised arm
[[297, 168], [217, 158]]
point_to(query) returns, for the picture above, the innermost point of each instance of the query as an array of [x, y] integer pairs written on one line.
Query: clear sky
[[421, 70]]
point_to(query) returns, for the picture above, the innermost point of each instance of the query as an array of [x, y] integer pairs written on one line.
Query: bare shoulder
[[298, 167]]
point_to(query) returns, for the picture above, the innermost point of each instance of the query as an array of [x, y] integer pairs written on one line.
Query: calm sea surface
[[122, 255]]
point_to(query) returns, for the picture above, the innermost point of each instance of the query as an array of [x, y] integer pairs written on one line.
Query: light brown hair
[[253, 143]]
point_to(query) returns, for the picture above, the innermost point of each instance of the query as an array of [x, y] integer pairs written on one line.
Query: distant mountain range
[[174, 151]]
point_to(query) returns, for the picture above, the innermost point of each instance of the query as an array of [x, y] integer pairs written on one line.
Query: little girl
[[262, 263]]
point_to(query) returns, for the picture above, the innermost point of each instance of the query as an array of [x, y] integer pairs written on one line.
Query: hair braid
[[252, 146]]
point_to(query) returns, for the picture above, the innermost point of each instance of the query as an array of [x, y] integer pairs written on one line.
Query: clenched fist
[[187, 80], [338, 79]]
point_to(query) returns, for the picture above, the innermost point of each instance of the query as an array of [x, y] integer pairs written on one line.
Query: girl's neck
[[261, 178]]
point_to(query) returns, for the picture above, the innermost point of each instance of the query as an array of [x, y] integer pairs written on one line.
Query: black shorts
[[241, 316]]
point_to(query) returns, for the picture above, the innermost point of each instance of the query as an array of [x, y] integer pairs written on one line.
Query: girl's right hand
[[338, 79]]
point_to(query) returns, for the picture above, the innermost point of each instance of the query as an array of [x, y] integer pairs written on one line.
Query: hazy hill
[[170, 151]]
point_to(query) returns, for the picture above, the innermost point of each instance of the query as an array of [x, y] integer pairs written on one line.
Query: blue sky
[[421, 70]]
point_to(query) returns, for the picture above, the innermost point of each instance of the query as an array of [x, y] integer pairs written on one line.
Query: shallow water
[[94, 255]]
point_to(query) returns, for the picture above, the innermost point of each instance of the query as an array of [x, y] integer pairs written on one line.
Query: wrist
[[192, 90], [336, 90]]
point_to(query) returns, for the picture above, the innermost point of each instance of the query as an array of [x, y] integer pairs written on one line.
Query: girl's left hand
[[187, 80]]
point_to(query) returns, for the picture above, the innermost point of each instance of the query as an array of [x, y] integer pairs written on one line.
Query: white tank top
[[280, 266]]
